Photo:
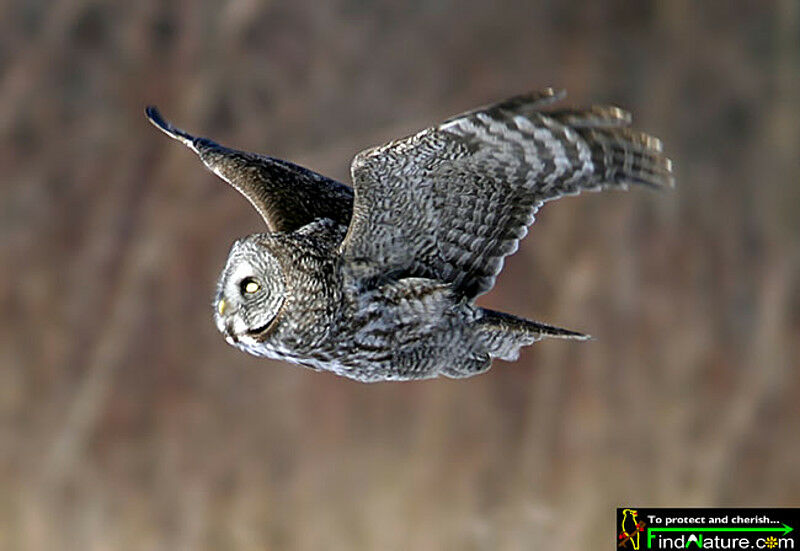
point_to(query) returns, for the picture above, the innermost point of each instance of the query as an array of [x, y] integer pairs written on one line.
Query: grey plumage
[[380, 284]]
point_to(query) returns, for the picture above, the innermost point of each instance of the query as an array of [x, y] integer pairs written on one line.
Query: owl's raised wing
[[287, 196], [451, 201]]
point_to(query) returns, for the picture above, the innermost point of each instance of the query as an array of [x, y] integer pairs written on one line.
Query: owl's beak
[[221, 306]]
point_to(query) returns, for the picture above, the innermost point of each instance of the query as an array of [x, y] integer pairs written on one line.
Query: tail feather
[[504, 334]]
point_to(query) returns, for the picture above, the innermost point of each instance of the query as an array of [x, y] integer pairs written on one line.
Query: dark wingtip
[[151, 111], [154, 116]]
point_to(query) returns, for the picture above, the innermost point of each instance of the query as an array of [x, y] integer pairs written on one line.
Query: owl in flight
[[379, 282]]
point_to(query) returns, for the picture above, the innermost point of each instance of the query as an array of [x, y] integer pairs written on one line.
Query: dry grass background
[[126, 422]]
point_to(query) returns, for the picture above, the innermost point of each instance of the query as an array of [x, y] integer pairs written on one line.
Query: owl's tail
[[503, 334]]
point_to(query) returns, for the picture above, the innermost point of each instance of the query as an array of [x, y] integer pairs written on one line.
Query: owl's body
[[397, 329], [380, 284]]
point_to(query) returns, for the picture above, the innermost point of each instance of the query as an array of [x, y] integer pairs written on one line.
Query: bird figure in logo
[[379, 282], [631, 528]]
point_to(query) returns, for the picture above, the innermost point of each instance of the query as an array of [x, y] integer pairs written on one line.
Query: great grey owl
[[379, 282]]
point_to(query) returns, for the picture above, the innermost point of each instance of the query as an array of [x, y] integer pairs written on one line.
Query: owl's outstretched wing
[[287, 196], [451, 201]]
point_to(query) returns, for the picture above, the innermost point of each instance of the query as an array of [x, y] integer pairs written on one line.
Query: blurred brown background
[[126, 421]]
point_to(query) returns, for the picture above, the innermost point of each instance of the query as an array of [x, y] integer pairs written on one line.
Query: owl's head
[[250, 292]]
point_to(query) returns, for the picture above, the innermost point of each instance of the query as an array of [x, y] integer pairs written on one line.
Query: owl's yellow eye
[[250, 286]]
